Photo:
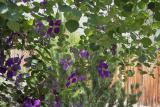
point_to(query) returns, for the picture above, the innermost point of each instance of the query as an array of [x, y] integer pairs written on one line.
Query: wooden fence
[[149, 86]]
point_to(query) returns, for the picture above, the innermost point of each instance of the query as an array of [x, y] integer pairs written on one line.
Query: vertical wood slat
[[149, 86]]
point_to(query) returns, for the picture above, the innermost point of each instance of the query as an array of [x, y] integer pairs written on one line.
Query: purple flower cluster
[[54, 28], [25, 1], [39, 27], [9, 40], [43, 3], [84, 54], [57, 102], [73, 78], [28, 102], [103, 70], [12, 65], [66, 63]]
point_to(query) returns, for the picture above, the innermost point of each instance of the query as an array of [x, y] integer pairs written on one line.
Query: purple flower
[[12, 61], [37, 103], [57, 22], [73, 78], [51, 23], [56, 30], [24, 1], [16, 67], [27, 103], [67, 84], [84, 54], [54, 27], [54, 86], [43, 3], [3, 69], [13, 65], [39, 26], [49, 31], [66, 63], [81, 78], [103, 70], [57, 102], [10, 74]]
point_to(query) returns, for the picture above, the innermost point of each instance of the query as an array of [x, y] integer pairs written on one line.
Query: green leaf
[[65, 8], [141, 5], [3, 8], [93, 46], [34, 62], [100, 20], [145, 1], [2, 22], [130, 73], [156, 25], [118, 2], [143, 72], [72, 25], [2, 1], [128, 7], [157, 38], [152, 75], [133, 36], [142, 58], [135, 86], [147, 64], [107, 2], [30, 22], [13, 25], [157, 15], [146, 42], [70, 13]]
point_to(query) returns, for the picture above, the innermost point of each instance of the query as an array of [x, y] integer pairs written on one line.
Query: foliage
[[117, 33]]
